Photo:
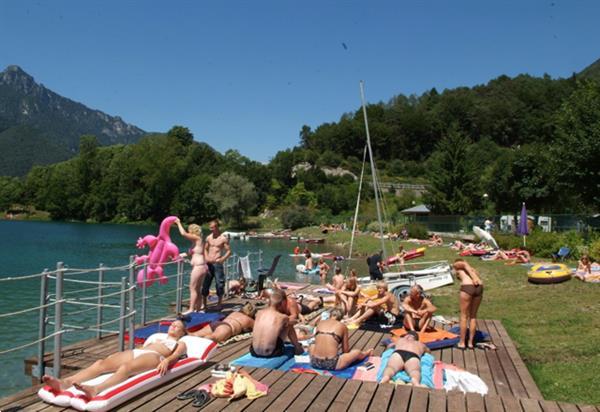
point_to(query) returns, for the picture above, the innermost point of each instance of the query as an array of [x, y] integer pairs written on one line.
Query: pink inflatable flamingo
[[161, 249]]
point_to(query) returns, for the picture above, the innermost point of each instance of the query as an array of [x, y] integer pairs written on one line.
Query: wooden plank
[[446, 355], [277, 382], [470, 362], [275, 391], [568, 407], [303, 400], [362, 400], [512, 377], [498, 376], [532, 389], [437, 354], [475, 402], [327, 395], [456, 402], [344, 397], [493, 403], [418, 400], [360, 344], [530, 405], [549, 406], [458, 357], [401, 398], [382, 398], [290, 394], [374, 341], [483, 371], [511, 404], [587, 408], [437, 401]]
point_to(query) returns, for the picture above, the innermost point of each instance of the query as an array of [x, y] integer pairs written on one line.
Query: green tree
[[234, 196], [11, 191], [181, 134], [577, 149], [192, 200], [299, 196], [453, 176]]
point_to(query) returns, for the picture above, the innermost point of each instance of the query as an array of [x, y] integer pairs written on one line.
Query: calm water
[[29, 247]]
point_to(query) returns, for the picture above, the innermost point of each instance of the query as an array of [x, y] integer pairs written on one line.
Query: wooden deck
[[511, 387]]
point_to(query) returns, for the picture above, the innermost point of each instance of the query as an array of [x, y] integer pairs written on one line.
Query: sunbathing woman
[[471, 293], [522, 256], [199, 267], [330, 335], [156, 354], [234, 324]]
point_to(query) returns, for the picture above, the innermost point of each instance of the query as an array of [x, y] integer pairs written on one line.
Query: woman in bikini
[[234, 324], [199, 267], [330, 335], [471, 293], [156, 354], [323, 270], [349, 294]]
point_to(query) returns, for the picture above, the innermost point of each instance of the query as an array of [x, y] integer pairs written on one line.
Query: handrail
[[5, 315], [60, 332]]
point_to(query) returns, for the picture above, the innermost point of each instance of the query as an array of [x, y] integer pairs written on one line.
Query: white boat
[[431, 277], [235, 235], [324, 255]]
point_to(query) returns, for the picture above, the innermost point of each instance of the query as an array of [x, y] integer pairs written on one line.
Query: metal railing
[[54, 307]]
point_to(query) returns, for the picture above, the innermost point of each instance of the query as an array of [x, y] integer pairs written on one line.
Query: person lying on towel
[[407, 357], [418, 310], [271, 327], [331, 334], [234, 324], [383, 308], [156, 354]]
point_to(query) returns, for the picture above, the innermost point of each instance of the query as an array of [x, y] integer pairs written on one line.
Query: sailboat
[[432, 274]]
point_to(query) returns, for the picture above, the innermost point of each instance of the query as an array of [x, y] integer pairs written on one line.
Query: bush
[[374, 227], [417, 231], [295, 217], [594, 250], [544, 244], [508, 242]]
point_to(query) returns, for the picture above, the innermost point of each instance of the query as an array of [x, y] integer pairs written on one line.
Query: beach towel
[[245, 267], [464, 381], [291, 285], [301, 364], [480, 336], [427, 362], [236, 385], [197, 320], [269, 363], [434, 339]]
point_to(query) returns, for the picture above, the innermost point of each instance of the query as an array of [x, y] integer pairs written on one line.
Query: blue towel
[[346, 373], [270, 363], [426, 369], [479, 335]]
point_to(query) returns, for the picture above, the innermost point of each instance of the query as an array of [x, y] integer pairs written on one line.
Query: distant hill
[[38, 126], [592, 71]]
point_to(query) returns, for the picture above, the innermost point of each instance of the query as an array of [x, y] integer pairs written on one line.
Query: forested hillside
[[515, 139]]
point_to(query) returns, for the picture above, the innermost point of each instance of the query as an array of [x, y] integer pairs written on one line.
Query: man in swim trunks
[[337, 281], [271, 327], [216, 251], [418, 310], [234, 324], [406, 356]]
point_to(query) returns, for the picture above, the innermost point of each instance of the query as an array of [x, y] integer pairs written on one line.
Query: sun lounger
[[198, 352]]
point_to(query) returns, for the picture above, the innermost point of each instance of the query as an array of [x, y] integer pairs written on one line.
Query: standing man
[[375, 266], [216, 243]]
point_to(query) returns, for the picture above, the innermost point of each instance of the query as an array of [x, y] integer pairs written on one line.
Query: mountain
[[38, 126], [592, 71]]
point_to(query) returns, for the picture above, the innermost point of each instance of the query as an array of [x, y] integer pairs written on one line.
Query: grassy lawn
[[556, 328]]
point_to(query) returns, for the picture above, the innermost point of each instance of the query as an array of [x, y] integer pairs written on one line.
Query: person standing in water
[[216, 251]]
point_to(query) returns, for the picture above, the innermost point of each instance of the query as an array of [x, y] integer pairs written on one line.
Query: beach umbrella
[[523, 229]]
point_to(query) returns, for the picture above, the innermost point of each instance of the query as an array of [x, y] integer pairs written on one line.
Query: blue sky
[[247, 75]]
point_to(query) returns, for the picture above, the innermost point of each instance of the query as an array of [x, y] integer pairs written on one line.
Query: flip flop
[[201, 398], [189, 394]]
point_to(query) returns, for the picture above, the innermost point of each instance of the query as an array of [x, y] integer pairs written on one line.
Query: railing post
[[131, 305], [122, 315], [179, 285], [42, 324], [144, 293], [58, 307], [100, 300]]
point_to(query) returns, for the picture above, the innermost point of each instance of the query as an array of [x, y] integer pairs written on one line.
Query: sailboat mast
[[362, 172], [364, 107]]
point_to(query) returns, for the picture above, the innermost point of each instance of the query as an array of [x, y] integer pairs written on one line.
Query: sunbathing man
[[384, 307], [156, 354], [234, 324], [407, 356], [271, 328], [330, 335], [337, 281], [418, 310]]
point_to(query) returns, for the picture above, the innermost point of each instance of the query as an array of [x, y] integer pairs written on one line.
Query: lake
[[29, 247]]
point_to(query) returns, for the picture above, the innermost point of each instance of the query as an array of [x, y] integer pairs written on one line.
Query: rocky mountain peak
[[16, 77]]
